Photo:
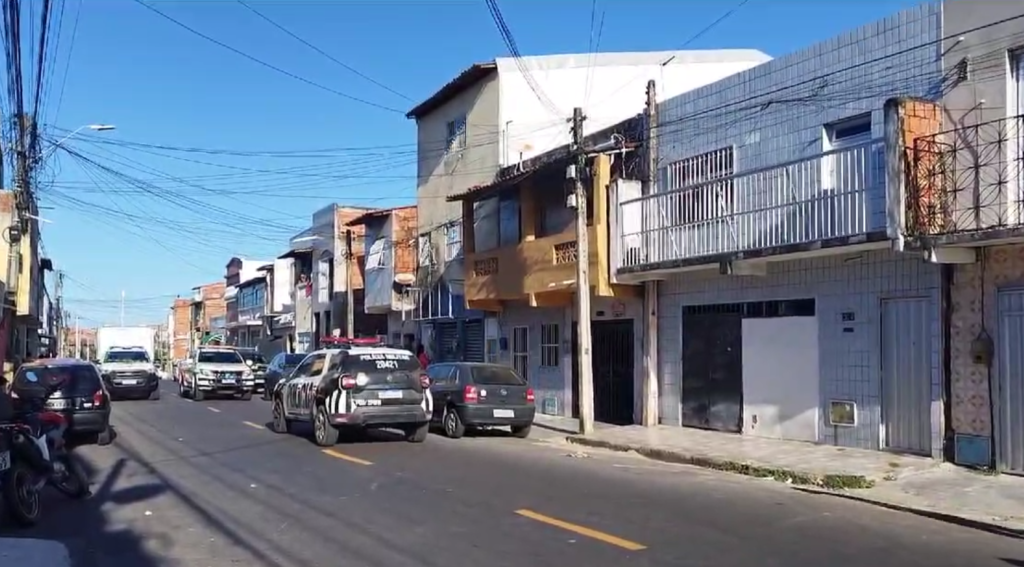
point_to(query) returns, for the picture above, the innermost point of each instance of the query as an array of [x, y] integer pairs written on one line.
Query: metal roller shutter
[[446, 339], [473, 331]]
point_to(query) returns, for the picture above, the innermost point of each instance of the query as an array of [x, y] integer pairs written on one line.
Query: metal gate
[[473, 341], [446, 341], [1009, 399], [614, 373], [711, 389], [906, 375]]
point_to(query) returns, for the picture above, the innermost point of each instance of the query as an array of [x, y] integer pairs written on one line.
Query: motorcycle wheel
[[21, 498], [71, 481]]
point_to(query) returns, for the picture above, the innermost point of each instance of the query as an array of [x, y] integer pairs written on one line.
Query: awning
[[296, 253]]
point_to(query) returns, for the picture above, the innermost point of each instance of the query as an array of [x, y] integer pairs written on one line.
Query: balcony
[[967, 183], [828, 196], [542, 270]]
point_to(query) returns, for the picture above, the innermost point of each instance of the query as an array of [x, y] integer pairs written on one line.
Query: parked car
[[469, 394], [280, 367], [82, 397]]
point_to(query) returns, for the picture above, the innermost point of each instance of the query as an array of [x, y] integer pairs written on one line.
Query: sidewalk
[[914, 484], [33, 553]]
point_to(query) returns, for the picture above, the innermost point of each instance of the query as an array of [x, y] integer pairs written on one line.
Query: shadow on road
[[82, 526]]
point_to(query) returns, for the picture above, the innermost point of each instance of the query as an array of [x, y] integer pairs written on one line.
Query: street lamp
[[93, 127]]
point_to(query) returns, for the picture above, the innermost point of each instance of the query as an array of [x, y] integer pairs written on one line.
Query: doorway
[[712, 378], [1009, 401], [906, 375], [613, 369]]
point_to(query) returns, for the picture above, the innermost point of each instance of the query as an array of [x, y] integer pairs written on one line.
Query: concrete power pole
[[59, 315], [651, 401], [78, 338], [122, 308], [586, 375], [350, 294]]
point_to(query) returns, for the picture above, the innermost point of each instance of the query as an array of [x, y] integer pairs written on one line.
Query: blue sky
[[154, 222]]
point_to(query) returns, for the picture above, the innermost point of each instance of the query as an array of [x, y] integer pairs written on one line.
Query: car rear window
[[495, 376], [76, 380], [385, 370]]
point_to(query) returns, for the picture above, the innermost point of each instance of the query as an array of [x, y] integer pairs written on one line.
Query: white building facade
[[783, 310]]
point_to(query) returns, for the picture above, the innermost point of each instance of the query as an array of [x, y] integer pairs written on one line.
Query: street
[[206, 484]]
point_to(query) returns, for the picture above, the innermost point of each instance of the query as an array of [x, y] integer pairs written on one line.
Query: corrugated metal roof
[[467, 78]]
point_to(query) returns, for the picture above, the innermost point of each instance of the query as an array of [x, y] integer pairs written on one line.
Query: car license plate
[[5, 460], [129, 382], [506, 413], [228, 380], [58, 404], [389, 394]]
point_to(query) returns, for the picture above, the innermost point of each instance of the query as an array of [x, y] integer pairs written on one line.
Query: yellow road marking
[[344, 457], [214, 410], [253, 425], [582, 530]]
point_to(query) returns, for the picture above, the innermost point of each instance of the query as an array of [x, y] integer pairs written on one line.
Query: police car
[[355, 384]]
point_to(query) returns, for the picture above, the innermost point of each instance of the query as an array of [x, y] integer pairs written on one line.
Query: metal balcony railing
[[834, 194], [967, 179]]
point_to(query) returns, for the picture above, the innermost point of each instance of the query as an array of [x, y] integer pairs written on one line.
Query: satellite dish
[[405, 279]]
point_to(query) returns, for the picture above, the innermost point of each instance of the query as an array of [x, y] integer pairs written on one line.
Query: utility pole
[[586, 369], [78, 338], [650, 416], [350, 294], [57, 310], [122, 308]]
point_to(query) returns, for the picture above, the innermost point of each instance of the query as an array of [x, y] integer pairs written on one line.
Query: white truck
[[126, 361]]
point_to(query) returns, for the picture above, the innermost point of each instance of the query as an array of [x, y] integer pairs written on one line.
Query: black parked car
[[82, 397], [280, 367], [470, 394]]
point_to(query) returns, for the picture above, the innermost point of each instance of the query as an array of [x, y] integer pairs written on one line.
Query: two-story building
[[964, 191], [181, 313], [208, 317], [787, 306], [251, 302], [502, 112], [389, 271], [236, 271], [320, 276], [521, 271]]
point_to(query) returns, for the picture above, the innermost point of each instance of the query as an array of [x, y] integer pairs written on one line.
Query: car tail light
[[470, 395], [424, 381], [529, 395], [98, 397], [347, 381]]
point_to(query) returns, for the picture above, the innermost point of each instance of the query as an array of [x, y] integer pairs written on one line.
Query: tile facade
[[850, 365], [974, 310]]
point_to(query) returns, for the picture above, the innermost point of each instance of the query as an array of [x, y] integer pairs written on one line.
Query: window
[[375, 259], [453, 241], [849, 132], [706, 181], [218, 357], [521, 350], [426, 256], [126, 356], [508, 220], [549, 346], [456, 138]]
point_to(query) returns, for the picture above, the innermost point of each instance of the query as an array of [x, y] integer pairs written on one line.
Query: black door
[[473, 340], [614, 376], [712, 380]]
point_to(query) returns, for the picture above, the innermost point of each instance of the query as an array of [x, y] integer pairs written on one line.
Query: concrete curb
[[25, 552], [798, 478], [555, 428], [989, 526]]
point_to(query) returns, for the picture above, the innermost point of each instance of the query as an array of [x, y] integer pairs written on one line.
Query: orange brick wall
[[341, 218], [182, 328], [213, 302], [920, 121], [404, 243]]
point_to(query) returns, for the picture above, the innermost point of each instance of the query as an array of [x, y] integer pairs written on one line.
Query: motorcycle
[[36, 456]]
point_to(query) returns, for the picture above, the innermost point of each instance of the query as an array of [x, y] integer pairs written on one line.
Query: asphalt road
[[207, 485]]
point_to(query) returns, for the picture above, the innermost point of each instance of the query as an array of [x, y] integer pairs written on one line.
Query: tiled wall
[[1003, 267], [548, 382], [849, 361], [775, 112]]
